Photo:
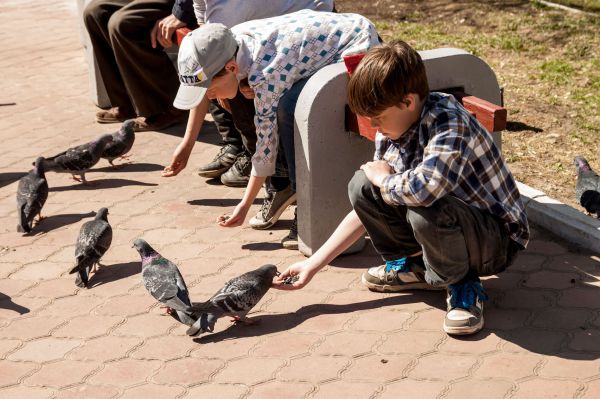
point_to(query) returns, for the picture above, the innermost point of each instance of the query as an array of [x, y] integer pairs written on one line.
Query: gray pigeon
[[164, 282], [587, 189], [236, 299], [32, 193], [122, 141], [80, 159], [94, 240]]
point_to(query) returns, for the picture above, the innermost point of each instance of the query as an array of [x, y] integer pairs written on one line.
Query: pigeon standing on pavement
[[80, 159], [236, 299], [164, 282], [587, 189], [94, 240], [32, 193], [122, 141]]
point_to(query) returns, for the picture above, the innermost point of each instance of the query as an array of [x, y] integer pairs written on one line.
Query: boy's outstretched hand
[[236, 219], [178, 163], [294, 277]]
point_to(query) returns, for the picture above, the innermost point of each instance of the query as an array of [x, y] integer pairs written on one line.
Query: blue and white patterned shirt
[[275, 53], [447, 152]]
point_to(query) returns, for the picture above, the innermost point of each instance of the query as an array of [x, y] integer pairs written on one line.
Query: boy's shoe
[[291, 240], [398, 275], [465, 308], [273, 206], [239, 174], [221, 163]]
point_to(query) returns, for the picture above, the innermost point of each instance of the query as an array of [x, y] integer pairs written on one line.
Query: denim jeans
[[285, 170], [458, 240]]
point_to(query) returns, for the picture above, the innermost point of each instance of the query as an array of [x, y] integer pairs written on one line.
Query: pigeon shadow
[[107, 274], [262, 246], [131, 167], [223, 202], [10, 177], [54, 222], [7, 303], [514, 126], [102, 183], [272, 323]]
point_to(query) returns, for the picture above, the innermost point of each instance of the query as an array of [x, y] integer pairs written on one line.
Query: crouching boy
[[438, 202]]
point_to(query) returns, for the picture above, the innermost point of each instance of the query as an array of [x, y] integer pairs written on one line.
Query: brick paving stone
[[552, 389], [188, 371], [44, 350], [494, 389], [295, 301], [314, 368], [213, 390], [212, 345], [55, 288], [576, 366], [504, 319], [431, 319], [277, 389], [88, 326], [96, 349], [61, 374], [146, 325], [378, 368], [508, 366], [381, 320], [349, 344], [125, 372], [13, 372], [475, 344], [31, 327], [286, 345], [346, 389], [165, 348], [586, 340], [21, 392], [417, 342], [76, 305], [323, 323], [16, 306], [561, 319], [549, 279], [591, 390], [443, 367], [584, 297], [503, 281], [127, 305], [249, 371], [545, 247], [538, 341], [12, 287], [8, 345], [525, 299], [41, 271], [410, 388], [88, 391], [527, 262], [152, 391]]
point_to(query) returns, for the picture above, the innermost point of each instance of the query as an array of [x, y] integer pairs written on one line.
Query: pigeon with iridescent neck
[[122, 141], [78, 160], [164, 282], [32, 193], [587, 189]]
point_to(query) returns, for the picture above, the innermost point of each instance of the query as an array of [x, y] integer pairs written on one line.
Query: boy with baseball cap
[[275, 56]]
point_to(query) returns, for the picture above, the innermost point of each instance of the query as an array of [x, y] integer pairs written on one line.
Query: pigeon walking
[[78, 160], [94, 240], [164, 282], [236, 299], [122, 141], [587, 189], [32, 193]]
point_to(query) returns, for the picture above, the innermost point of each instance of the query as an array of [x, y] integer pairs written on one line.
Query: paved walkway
[[334, 339]]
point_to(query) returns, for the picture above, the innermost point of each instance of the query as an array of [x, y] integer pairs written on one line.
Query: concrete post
[[327, 156]]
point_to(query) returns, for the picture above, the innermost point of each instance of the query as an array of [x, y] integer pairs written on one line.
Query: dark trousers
[[458, 241], [136, 76], [236, 128]]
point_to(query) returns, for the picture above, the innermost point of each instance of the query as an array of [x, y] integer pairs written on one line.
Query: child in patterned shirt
[[438, 201], [275, 56]]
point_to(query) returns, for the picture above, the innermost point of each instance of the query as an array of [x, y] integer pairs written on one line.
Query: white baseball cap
[[203, 53]]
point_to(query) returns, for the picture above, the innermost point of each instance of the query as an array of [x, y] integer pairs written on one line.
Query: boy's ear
[[232, 66], [411, 101]]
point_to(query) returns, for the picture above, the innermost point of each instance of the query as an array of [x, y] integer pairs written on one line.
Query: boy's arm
[[184, 149], [346, 234], [238, 216]]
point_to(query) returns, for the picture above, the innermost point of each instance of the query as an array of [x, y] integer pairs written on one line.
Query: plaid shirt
[[449, 153]]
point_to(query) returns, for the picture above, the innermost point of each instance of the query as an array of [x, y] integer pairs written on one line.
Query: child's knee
[[358, 187]]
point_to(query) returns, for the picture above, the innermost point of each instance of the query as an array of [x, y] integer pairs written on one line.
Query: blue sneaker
[[465, 308], [406, 273]]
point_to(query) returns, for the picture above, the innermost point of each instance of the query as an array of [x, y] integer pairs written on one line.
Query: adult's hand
[[297, 276], [163, 31], [179, 161]]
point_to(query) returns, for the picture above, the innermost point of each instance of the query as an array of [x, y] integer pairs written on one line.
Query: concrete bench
[[327, 154]]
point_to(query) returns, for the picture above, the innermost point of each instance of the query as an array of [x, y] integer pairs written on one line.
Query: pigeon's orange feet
[[168, 310]]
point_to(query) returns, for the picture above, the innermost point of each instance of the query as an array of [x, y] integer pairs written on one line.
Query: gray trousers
[[458, 241]]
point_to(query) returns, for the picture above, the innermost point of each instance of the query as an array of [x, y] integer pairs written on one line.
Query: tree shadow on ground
[[10, 177], [514, 126], [221, 202], [54, 222], [7, 303], [131, 167], [107, 274], [101, 184]]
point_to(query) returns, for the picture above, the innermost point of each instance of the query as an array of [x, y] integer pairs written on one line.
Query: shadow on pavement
[[131, 167], [220, 202], [7, 303], [10, 177], [101, 183], [54, 222], [107, 274]]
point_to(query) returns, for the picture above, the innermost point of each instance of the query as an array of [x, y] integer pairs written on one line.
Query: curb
[[561, 219]]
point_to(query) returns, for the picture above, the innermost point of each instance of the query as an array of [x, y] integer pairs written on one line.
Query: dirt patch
[[547, 60]]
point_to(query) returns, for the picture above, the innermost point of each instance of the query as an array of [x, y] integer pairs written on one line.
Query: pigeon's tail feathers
[[590, 200], [205, 323], [199, 308], [82, 263], [23, 226]]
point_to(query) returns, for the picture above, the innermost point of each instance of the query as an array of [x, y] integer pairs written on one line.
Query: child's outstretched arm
[[184, 149], [238, 216], [299, 274]]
